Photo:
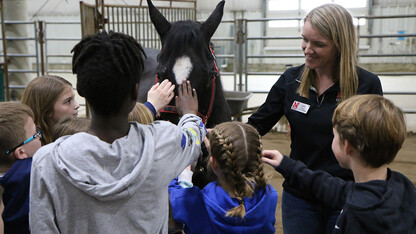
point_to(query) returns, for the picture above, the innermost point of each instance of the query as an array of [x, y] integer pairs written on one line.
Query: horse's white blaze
[[182, 69]]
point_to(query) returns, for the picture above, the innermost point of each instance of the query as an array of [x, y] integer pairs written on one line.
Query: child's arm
[[330, 190], [184, 180], [193, 135], [160, 95], [187, 100], [181, 144], [41, 214]]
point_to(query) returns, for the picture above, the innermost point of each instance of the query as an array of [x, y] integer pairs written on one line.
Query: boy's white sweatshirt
[[80, 184]]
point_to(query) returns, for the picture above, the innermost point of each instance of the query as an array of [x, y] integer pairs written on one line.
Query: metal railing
[[242, 40], [39, 54], [238, 56], [59, 39], [248, 56]]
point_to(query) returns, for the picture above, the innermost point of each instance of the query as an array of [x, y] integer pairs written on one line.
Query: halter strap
[[211, 48]]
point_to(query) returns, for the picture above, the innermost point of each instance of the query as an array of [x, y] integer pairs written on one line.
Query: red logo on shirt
[[338, 97], [295, 105]]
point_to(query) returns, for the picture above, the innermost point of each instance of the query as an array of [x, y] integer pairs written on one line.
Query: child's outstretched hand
[[187, 100], [272, 157], [161, 94]]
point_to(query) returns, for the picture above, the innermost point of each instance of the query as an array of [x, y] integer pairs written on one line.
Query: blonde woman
[[307, 95]]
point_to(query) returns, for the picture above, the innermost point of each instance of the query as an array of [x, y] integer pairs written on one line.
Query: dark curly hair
[[108, 66]]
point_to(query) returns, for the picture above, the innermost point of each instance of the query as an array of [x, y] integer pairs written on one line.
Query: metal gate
[[134, 20]]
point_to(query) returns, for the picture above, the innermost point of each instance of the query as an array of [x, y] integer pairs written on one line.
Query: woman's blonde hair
[[335, 23], [141, 114], [70, 126], [237, 149], [41, 95]]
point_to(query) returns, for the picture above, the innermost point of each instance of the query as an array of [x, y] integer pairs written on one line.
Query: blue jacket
[[203, 211], [16, 197]]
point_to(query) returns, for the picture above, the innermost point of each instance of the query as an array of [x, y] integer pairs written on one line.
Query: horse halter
[[172, 109]]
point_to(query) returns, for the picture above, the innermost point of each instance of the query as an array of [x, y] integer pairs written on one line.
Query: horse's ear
[[159, 21], [211, 24]]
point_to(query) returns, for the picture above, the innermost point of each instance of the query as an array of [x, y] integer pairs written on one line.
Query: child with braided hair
[[240, 201]]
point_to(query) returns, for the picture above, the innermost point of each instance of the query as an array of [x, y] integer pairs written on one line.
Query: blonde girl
[[240, 201], [51, 98]]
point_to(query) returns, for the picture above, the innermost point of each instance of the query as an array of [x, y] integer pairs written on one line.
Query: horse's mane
[[185, 38]]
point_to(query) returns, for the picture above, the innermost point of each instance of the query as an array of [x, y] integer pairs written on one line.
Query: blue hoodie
[[203, 211]]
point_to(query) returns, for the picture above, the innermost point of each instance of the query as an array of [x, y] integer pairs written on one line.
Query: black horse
[[187, 54]]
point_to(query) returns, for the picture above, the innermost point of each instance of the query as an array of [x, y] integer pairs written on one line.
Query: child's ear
[[348, 147], [20, 153], [135, 94], [213, 163]]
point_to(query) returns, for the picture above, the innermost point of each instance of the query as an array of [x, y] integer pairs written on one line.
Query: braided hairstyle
[[237, 149], [108, 66]]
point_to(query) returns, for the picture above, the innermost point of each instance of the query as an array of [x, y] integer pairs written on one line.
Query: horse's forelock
[[182, 38], [185, 38]]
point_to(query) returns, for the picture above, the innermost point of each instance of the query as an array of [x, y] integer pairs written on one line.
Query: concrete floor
[[405, 162]]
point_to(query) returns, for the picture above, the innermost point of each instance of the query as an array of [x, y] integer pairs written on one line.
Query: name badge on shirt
[[300, 107]]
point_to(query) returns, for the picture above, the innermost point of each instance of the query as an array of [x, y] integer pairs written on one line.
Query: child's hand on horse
[[161, 94], [187, 100]]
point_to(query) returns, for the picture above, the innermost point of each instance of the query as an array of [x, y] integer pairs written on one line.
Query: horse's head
[[186, 53], [185, 50]]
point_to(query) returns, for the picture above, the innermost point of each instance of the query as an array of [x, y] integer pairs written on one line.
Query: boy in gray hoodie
[[115, 177]]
